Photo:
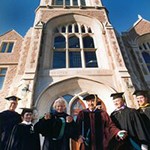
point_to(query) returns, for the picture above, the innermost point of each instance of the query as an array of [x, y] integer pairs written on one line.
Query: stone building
[[72, 50]]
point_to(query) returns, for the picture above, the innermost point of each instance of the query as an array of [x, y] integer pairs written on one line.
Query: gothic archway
[[74, 86]]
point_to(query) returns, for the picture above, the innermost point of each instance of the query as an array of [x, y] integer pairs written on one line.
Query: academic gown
[[24, 137], [145, 111], [130, 120], [51, 128], [8, 119], [97, 127], [145, 114]]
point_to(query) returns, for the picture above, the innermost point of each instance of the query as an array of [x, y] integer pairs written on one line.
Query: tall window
[[74, 42], [144, 51], [67, 2], [59, 59], [70, 28], [146, 57], [90, 59], [76, 28], [75, 2], [90, 56], [2, 76], [58, 2], [74, 47], [83, 2], [75, 59], [59, 55], [59, 42], [6, 47], [83, 29], [88, 42]]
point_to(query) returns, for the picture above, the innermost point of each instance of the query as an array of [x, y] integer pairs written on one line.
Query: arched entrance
[[74, 88]]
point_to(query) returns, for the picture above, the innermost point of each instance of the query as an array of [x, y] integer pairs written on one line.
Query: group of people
[[125, 129]]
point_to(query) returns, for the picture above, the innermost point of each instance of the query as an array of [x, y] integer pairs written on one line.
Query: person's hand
[[47, 116], [69, 119], [121, 135], [81, 139]]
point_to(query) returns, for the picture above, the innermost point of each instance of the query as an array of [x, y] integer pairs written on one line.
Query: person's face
[[142, 100], [118, 102], [13, 105], [91, 104], [27, 117], [60, 107]]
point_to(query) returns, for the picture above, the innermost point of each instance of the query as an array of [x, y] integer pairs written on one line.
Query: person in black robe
[[129, 119], [23, 135], [8, 119], [57, 128], [95, 127], [144, 106]]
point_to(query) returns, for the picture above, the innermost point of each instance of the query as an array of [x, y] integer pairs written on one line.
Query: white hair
[[60, 100]]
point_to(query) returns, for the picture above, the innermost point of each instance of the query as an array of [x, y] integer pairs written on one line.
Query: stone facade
[[11, 62]]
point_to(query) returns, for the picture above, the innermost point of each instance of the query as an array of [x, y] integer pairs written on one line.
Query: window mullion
[[82, 52], [79, 3], [71, 2], [67, 58], [7, 47], [67, 52]]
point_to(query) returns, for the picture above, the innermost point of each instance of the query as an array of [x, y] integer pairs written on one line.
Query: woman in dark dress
[[23, 136], [57, 128]]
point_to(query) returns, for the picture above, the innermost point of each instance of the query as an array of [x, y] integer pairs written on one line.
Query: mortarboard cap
[[117, 95], [25, 110], [140, 92], [90, 96], [13, 98]]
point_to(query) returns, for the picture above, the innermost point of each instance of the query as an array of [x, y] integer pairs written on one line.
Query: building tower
[[75, 52]]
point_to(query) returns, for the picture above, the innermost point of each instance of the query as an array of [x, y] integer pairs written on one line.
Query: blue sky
[[19, 14]]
